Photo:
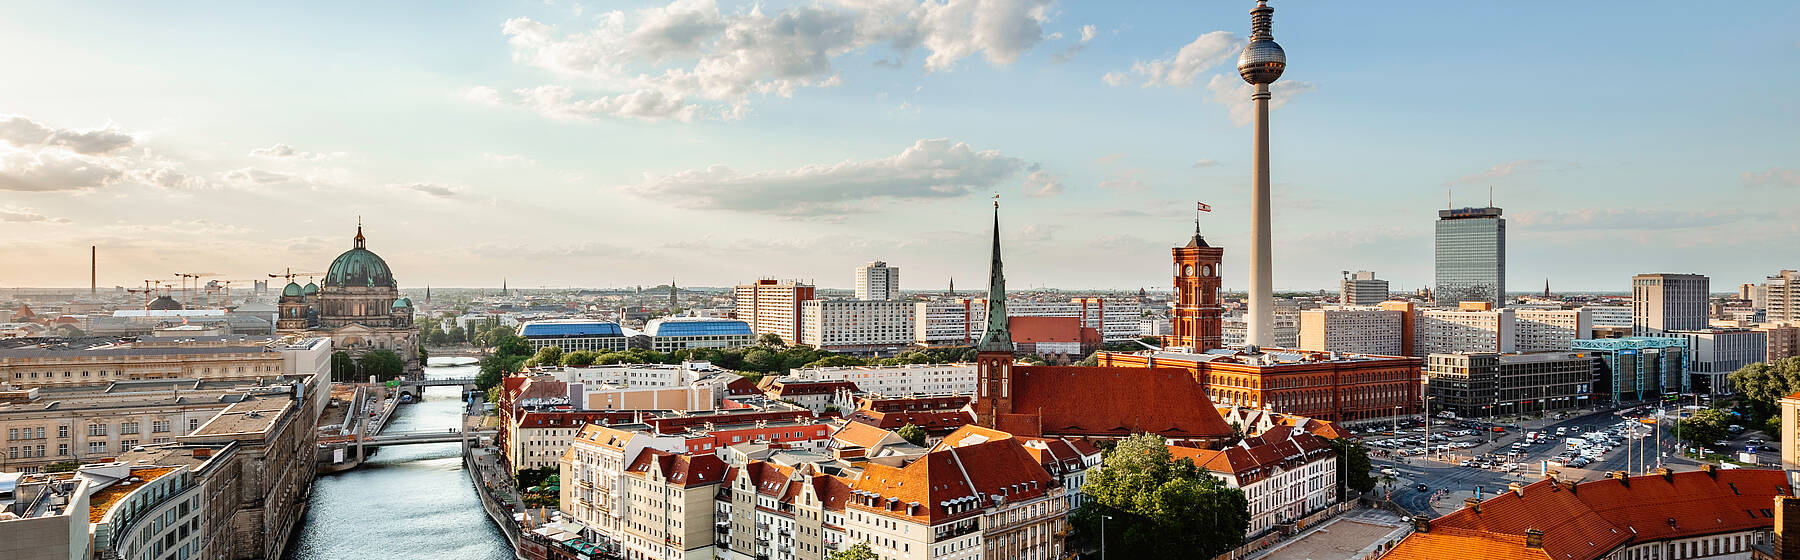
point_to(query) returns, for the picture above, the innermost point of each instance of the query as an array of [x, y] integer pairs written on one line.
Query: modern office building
[[773, 306], [1356, 330], [877, 281], [857, 326], [1610, 315], [1479, 385], [1781, 297], [1668, 302], [1715, 353], [1362, 288], [1638, 368], [1234, 330], [676, 333], [1471, 256], [574, 335]]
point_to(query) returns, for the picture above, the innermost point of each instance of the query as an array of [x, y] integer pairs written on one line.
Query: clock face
[[1206, 270], [1188, 270]]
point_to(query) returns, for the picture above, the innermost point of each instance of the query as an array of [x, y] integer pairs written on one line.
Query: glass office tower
[[1471, 256]]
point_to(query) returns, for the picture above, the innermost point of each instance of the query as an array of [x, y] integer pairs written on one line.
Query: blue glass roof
[[698, 328], [569, 329]]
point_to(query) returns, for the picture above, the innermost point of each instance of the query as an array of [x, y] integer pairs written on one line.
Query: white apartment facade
[[592, 471], [1362, 288], [856, 325], [876, 281], [1233, 328], [961, 321], [1285, 474], [1609, 315], [1781, 297], [1715, 353], [1506, 331], [1359, 330], [900, 380]]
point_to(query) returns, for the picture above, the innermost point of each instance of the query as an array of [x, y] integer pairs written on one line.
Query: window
[[62, 431], [193, 424], [62, 449], [158, 426], [96, 429], [128, 427], [96, 447]]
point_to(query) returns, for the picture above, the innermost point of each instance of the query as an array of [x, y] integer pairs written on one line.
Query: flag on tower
[[1203, 207]]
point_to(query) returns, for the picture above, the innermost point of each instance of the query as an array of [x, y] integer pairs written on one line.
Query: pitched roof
[[862, 435], [1255, 457], [1045, 329], [1459, 543], [937, 421], [1593, 518], [923, 490], [686, 471], [1164, 401]]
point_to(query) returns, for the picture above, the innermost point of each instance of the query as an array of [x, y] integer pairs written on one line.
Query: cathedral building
[[1084, 402], [359, 307]]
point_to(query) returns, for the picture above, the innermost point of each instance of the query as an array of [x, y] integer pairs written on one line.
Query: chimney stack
[[1621, 476], [1421, 524], [1534, 538], [1516, 488], [1787, 525], [1668, 475], [1710, 469], [1473, 504]]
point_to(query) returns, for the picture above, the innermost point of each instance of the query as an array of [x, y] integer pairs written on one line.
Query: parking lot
[[1465, 458]]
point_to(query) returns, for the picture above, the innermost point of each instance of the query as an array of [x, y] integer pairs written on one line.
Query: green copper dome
[[292, 290], [402, 303], [310, 289], [359, 267]]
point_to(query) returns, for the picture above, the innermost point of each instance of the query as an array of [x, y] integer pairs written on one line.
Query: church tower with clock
[[1198, 318]]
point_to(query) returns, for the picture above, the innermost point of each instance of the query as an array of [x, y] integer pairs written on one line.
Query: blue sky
[[607, 144]]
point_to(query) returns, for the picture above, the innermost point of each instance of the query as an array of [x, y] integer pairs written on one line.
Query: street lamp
[[1103, 518]]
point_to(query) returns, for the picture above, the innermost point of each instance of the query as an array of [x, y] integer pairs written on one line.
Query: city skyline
[[627, 147]]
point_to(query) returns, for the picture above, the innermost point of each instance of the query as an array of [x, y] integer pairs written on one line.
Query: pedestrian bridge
[[407, 438]]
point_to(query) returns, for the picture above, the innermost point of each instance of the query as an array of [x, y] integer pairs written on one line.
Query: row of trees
[[1763, 385], [383, 364]]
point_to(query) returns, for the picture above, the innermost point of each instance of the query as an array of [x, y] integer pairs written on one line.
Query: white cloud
[[22, 132], [1087, 36], [284, 151], [1203, 163], [1041, 184], [250, 176], [1773, 177], [646, 63], [1126, 182], [1205, 52], [1509, 169], [433, 189], [16, 214], [1234, 93], [54, 170], [930, 168]]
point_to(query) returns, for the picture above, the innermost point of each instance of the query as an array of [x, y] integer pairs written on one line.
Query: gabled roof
[[1068, 402], [686, 471], [1440, 544], [1256, 457], [1588, 520], [937, 421], [923, 490], [857, 434]]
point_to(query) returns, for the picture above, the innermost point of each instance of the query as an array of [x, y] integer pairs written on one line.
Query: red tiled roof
[[1068, 401], [573, 419], [1440, 544], [933, 421], [861, 435], [982, 470], [682, 470], [1599, 516], [1255, 457], [1044, 329], [781, 388], [906, 404]]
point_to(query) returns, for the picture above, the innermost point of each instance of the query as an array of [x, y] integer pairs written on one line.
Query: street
[[1448, 483]]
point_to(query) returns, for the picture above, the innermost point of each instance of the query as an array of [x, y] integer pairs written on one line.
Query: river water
[[407, 502]]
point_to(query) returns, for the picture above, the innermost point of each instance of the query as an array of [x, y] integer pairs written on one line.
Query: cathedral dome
[[292, 290], [359, 267], [163, 303], [403, 303], [310, 289]]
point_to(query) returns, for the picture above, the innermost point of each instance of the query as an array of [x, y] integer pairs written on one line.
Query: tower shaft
[[1261, 318]]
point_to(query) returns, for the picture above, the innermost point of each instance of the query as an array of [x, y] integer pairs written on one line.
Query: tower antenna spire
[[1261, 64]]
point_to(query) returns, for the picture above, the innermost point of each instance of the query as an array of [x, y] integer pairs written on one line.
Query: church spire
[[359, 242], [997, 338]]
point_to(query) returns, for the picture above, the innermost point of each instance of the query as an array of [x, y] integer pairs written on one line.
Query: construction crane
[[290, 275], [187, 293], [216, 285]]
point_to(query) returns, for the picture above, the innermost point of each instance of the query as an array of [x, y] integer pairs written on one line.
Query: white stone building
[[856, 325], [877, 281], [900, 380], [1286, 474]]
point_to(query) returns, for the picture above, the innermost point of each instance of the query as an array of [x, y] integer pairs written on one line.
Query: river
[[411, 501]]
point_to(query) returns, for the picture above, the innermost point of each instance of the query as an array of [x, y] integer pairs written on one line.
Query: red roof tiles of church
[[986, 469], [1115, 401]]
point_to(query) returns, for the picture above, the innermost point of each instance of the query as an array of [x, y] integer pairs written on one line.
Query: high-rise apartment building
[[1476, 327], [1781, 340], [877, 281], [856, 326], [773, 306], [959, 321], [1668, 302], [1362, 288], [1355, 330], [1781, 297], [1471, 256]]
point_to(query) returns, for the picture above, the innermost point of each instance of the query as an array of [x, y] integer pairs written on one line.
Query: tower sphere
[[1262, 61]]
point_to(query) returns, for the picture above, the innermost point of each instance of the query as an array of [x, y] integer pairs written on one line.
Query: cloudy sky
[[570, 143]]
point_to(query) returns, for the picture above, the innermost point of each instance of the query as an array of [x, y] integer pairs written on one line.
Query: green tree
[[580, 358], [771, 340], [912, 434], [546, 356], [1705, 426], [858, 551], [384, 364], [343, 367], [762, 360], [1354, 467], [1763, 384], [1091, 360], [1157, 507], [836, 360]]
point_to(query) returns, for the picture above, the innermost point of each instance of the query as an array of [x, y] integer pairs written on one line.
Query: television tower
[[1260, 65]]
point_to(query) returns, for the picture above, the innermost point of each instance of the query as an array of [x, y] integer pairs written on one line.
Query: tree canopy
[[384, 364], [1158, 507], [1354, 465], [1763, 384], [858, 551], [912, 434], [1705, 426]]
